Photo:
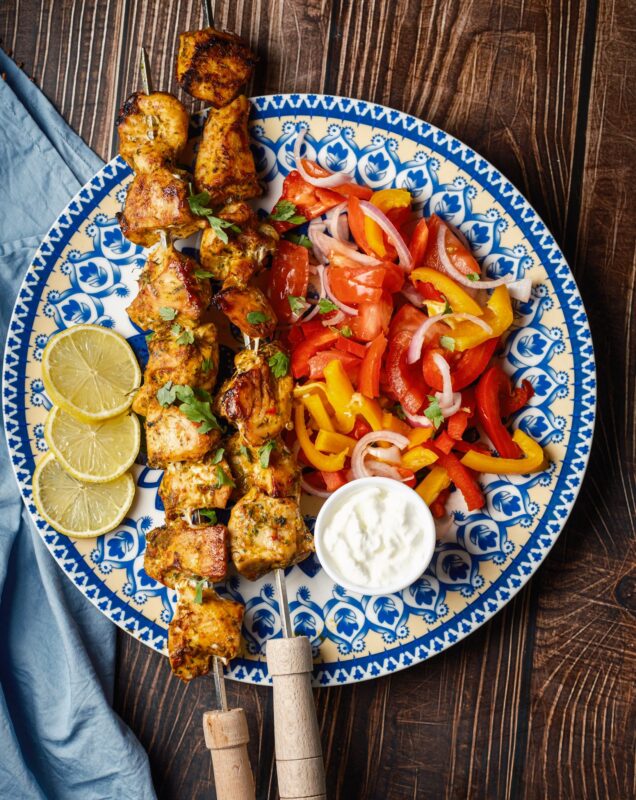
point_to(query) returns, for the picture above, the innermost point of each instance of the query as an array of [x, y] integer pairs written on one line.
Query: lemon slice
[[94, 452], [79, 509], [91, 372]]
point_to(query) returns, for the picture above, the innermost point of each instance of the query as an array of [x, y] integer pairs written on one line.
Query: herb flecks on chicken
[[153, 130], [187, 487], [177, 551], [272, 468]]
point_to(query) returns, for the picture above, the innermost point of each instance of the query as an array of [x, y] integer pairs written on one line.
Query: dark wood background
[[539, 703]]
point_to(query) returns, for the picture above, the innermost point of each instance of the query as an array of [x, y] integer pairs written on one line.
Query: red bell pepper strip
[[319, 361], [418, 243], [402, 379], [466, 447], [444, 442], [428, 291], [467, 369], [493, 385], [308, 348], [334, 480], [457, 424], [438, 506], [461, 477], [361, 428], [518, 399], [347, 189], [349, 346], [369, 382]]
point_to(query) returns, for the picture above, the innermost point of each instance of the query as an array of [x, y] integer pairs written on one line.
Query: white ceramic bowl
[[401, 493]]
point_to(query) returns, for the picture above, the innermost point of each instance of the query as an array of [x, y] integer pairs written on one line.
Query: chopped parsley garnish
[[326, 306], [203, 273], [447, 342], [186, 337], [279, 364], [167, 394], [207, 365], [346, 331], [149, 336], [222, 478], [218, 455], [209, 514], [434, 412], [245, 453], [297, 304], [301, 239], [447, 308], [198, 595], [199, 205], [195, 404], [167, 313], [399, 412], [285, 211], [256, 317], [473, 276], [264, 453]]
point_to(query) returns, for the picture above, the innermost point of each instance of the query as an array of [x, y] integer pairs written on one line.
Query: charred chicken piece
[[153, 130], [213, 65], [281, 476], [177, 552], [255, 401], [169, 281], [199, 631], [225, 166], [243, 255], [186, 487], [171, 436], [173, 357], [157, 201], [267, 533], [249, 309]]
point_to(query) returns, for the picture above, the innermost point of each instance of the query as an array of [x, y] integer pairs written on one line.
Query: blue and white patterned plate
[[85, 271]]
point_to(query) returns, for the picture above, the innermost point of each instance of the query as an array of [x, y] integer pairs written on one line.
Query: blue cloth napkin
[[59, 737]]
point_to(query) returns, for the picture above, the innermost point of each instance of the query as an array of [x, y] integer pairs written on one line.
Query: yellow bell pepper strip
[[332, 442], [534, 459], [418, 436], [385, 200], [316, 408], [392, 423], [323, 461], [340, 391], [433, 484], [313, 387], [367, 408], [498, 314], [418, 457], [458, 299]]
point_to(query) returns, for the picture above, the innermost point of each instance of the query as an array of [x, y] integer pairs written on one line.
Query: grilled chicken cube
[[199, 631], [169, 281], [213, 65], [248, 309], [267, 533], [225, 166], [171, 357], [153, 130], [186, 487], [157, 201], [243, 255], [171, 436], [177, 552], [281, 476], [255, 401]]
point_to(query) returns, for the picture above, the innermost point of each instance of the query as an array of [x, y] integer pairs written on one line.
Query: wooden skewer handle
[[299, 764], [226, 736]]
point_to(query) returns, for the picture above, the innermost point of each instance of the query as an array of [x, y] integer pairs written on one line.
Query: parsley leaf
[[399, 412], [473, 276], [326, 306], [447, 342], [285, 211], [447, 308], [297, 304], [255, 317], [209, 514], [301, 239], [200, 411], [346, 331], [167, 313], [245, 453], [203, 273], [175, 330], [149, 336], [434, 412], [218, 455], [279, 364], [198, 595], [199, 205], [264, 453], [167, 394], [207, 365], [222, 478], [186, 337]]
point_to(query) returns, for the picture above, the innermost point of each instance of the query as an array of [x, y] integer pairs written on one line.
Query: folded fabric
[[59, 737]]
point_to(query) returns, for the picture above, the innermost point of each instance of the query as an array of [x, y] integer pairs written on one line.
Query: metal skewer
[[209, 14], [226, 733]]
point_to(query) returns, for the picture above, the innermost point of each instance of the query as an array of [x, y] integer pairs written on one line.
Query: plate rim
[[584, 397]]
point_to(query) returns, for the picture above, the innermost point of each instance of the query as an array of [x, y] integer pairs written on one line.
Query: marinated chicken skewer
[[205, 628]]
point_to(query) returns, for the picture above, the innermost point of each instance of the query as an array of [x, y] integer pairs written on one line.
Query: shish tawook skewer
[[171, 554]]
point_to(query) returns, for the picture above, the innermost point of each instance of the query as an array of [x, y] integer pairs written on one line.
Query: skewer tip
[[144, 66], [209, 13]]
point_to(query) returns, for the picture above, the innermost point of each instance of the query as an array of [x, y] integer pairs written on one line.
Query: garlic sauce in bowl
[[374, 536]]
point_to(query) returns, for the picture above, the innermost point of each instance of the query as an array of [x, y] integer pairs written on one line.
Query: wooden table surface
[[539, 703]]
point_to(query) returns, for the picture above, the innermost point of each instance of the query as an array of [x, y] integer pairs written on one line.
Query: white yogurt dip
[[375, 535]]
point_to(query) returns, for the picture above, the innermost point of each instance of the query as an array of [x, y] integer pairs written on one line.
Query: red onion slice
[[358, 466], [335, 179], [412, 295], [336, 224], [381, 470], [451, 270], [453, 407], [417, 342], [446, 395], [315, 227], [330, 245], [309, 489], [418, 420], [521, 289], [321, 294], [390, 454], [346, 309], [374, 213]]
